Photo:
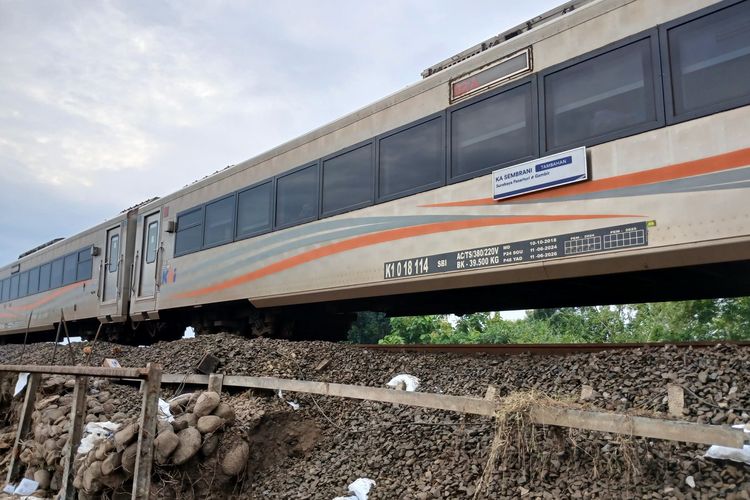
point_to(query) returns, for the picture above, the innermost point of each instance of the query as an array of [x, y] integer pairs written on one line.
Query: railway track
[[539, 349]]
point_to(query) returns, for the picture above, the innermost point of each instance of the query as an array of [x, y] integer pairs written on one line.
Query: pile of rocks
[[314, 452], [196, 430]]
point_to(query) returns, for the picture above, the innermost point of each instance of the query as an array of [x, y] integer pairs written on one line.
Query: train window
[[14, 287], [5, 290], [348, 180], [219, 224], [114, 254], [493, 131], [411, 160], [254, 210], [297, 196], [189, 236], [70, 267], [56, 274], [709, 58], [23, 284], [601, 98], [33, 281], [45, 270], [84, 265], [152, 235]]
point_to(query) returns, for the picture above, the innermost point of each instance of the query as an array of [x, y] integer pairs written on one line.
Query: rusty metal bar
[[91, 371], [146, 433], [24, 424], [77, 415]]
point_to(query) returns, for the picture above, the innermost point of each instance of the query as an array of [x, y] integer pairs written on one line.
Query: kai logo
[[168, 274]]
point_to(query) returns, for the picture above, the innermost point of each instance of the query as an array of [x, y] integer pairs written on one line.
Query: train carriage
[[599, 153], [81, 279]]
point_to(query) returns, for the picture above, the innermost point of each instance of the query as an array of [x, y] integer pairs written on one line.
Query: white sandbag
[[94, 433], [733, 454], [23, 378], [164, 411], [360, 488], [404, 382]]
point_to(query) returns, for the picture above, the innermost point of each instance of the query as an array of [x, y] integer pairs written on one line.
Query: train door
[[112, 264], [149, 256]]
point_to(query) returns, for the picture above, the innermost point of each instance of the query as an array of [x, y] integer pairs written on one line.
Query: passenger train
[[599, 153]]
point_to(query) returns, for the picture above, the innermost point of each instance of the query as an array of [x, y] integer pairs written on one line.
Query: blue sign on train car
[[548, 172]]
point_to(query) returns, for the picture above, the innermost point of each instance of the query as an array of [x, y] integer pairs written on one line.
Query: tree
[[369, 328]]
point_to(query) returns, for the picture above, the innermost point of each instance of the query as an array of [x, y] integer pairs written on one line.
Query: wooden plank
[[147, 434], [92, 371], [77, 415], [639, 426], [422, 399], [215, 381], [24, 424], [588, 420]]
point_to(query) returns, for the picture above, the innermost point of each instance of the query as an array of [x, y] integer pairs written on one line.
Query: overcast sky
[[104, 104]]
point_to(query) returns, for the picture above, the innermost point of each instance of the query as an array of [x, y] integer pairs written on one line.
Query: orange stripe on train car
[[739, 158], [383, 237], [48, 297]]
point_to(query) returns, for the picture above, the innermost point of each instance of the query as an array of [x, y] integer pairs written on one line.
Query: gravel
[[316, 451]]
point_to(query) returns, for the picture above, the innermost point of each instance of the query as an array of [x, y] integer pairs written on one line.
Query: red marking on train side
[[384, 237], [726, 161], [49, 296]]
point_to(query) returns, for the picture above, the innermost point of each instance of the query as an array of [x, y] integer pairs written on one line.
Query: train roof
[[550, 23]]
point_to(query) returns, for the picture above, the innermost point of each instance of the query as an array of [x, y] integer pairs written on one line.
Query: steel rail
[[540, 349]]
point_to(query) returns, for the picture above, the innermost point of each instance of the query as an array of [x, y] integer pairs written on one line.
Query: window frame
[[49, 277], [62, 272], [652, 35], [667, 68], [271, 211], [177, 232], [534, 123], [5, 295], [233, 224], [373, 179], [15, 296], [276, 226], [379, 197], [74, 255], [90, 260], [23, 288], [32, 271]]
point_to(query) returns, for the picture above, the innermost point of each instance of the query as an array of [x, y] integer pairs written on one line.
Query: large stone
[[206, 403], [235, 461], [164, 445], [209, 423], [188, 446], [126, 435]]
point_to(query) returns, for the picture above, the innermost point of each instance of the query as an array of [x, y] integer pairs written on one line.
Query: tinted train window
[[348, 180], [33, 281], [70, 267], [84, 265], [254, 210], [23, 284], [114, 254], [411, 160], [610, 94], [5, 290], [219, 224], [297, 196], [710, 61], [494, 131], [14, 287], [152, 233], [44, 277], [189, 237], [56, 274]]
